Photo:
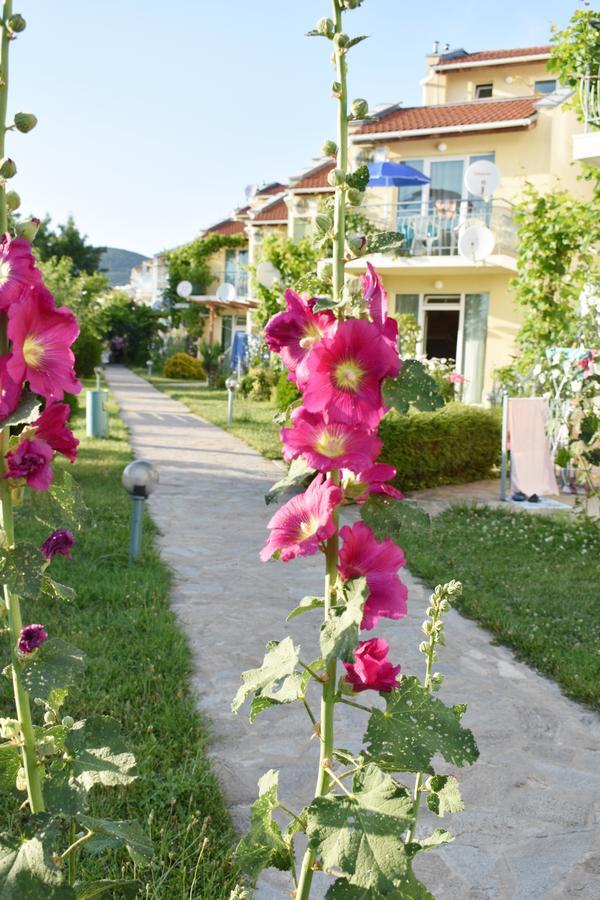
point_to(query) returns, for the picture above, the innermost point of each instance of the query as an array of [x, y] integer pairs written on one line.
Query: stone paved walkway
[[531, 825]]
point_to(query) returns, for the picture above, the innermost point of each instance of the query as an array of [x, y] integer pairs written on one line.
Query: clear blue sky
[[154, 116]]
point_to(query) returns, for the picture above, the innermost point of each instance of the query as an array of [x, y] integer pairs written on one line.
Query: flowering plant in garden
[[52, 761], [342, 353]]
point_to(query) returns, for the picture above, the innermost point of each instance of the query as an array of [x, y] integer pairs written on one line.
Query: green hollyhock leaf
[[264, 847], [28, 410], [276, 679], [25, 872], [444, 795], [340, 633], [56, 590], [63, 795], [362, 835], [298, 474], [360, 178], [63, 503], [414, 386], [384, 241], [107, 887], [110, 835], [305, 605], [55, 665], [391, 518], [22, 570], [10, 763], [414, 727], [343, 890], [440, 836], [100, 755]]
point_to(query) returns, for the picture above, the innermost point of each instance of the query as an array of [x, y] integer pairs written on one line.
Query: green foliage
[[182, 365], [576, 50], [56, 664], [408, 334], [67, 241], [81, 292], [258, 384], [297, 475], [444, 795], [276, 679], [286, 392], [414, 387], [211, 359], [264, 846], [191, 262], [136, 324], [453, 445], [88, 352], [340, 632], [296, 262], [557, 234]]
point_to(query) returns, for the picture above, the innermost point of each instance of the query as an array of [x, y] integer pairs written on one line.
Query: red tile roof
[[275, 187], [315, 178], [227, 226], [484, 55], [274, 212], [450, 115]]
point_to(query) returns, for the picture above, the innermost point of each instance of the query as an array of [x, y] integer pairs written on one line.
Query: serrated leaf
[[343, 890], [100, 755], [384, 241], [92, 890], [340, 633], [414, 386], [361, 835], [298, 473], [111, 834], [444, 795], [414, 727], [63, 795], [24, 871], [56, 590], [324, 303], [61, 506], [10, 763], [264, 847], [356, 40], [55, 665], [51, 736], [28, 410], [276, 679], [440, 836], [391, 518], [305, 605], [22, 570]]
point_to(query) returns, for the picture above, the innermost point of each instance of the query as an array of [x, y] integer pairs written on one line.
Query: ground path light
[[232, 384], [140, 478], [96, 414]]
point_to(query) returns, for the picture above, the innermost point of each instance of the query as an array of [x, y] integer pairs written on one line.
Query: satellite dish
[[267, 274], [158, 304], [184, 289], [476, 243], [482, 178], [250, 191], [226, 292]]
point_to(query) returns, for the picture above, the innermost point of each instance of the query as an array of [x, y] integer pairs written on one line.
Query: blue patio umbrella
[[395, 174]]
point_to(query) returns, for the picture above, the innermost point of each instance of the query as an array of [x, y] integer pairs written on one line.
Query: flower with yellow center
[[5, 271], [330, 444], [33, 351], [348, 375], [310, 337], [307, 528]]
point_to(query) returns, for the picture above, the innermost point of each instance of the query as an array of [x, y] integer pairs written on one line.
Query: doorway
[[442, 327]]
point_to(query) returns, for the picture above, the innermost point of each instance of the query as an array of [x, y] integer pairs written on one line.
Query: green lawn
[[532, 580], [138, 671]]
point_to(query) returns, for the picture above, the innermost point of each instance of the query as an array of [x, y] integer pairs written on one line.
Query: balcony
[[586, 146], [234, 275], [433, 229]]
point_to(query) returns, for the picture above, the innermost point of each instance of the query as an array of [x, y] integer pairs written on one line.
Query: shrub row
[[454, 445], [182, 365]]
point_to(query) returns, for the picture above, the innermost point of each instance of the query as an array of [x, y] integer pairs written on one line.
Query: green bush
[[286, 392], [454, 445], [88, 350], [182, 365], [258, 384]]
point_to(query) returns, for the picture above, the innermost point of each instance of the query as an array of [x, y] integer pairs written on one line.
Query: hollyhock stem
[[339, 220], [32, 769]]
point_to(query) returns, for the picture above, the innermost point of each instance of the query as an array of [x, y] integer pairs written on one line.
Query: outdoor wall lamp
[[442, 147], [232, 384], [140, 479]]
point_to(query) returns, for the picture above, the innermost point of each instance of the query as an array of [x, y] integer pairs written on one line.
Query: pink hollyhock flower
[[59, 543], [362, 556], [10, 391], [358, 486], [52, 428], [293, 333], [17, 270], [455, 378], [586, 362], [377, 304], [343, 374], [31, 460], [31, 637], [41, 336], [328, 445], [372, 670], [303, 522]]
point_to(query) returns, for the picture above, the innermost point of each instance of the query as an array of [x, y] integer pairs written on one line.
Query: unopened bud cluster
[[433, 627]]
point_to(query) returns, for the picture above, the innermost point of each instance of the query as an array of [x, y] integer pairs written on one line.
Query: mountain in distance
[[117, 264]]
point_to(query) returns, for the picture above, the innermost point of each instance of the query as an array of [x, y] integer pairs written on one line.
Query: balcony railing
[[236, 276], [433, 229], [589, 94]]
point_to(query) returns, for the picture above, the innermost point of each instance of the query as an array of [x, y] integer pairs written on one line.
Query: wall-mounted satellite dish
[[184, 289], [476, 243], [225, 292], [267, 274], [482, 178]]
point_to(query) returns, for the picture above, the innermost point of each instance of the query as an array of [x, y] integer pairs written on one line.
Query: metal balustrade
[[589, 94], [236, 276]]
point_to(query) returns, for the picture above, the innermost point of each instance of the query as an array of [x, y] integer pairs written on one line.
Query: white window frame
[[427, 302], [484, 84]]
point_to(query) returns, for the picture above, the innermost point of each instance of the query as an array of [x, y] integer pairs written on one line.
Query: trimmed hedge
[[453, 445], [88, 352], [286, 392], [182, 365]]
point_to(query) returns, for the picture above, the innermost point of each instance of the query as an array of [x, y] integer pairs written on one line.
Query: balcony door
[[442, 326]]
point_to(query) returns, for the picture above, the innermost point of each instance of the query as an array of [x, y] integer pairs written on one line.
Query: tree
[[134, 324], [67, 241], [81, 292], [576, 50]]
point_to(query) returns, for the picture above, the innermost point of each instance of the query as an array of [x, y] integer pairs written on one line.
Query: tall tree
[[68, 241]]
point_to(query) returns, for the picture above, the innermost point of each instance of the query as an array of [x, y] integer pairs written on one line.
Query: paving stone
[[530, 828]]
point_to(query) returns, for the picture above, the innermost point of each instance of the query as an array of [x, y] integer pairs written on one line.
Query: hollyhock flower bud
[[340, 40], [336, 177], [336, 89], [25, 122], [17, 23], [8, 167], [17, 270], [41, 338], [52, 428], [359, 108], [293, 333], [31, 460], [329, 148], [359, 486], [301, 524], [28, 229], [31, 637], [68, 721], [372, 670], [328, 445], [326, 27], [13, 201], [357, 244], [59, 543], [362, 556], [354, 196], [324, 270], [323, 222]]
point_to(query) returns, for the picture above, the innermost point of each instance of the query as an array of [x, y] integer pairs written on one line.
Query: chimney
[[435, 49]]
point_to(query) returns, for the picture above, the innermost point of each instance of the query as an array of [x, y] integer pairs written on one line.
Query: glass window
[[545, 87], [478, 205], [226, 332], [483, 90], [408, 304], [410, 196], [475, 337]]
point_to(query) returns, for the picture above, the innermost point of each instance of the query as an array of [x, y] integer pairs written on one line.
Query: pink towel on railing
[[531, 468]]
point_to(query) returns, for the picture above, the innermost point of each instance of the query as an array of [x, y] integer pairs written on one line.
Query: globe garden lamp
[[232, 384], [140, 479]]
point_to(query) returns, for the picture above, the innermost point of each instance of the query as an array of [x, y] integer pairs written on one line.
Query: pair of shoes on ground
[[520, 497]]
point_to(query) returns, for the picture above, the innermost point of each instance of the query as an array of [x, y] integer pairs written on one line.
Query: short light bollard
[[149, 367], [140, 478], [96, 414], [232, 384]]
